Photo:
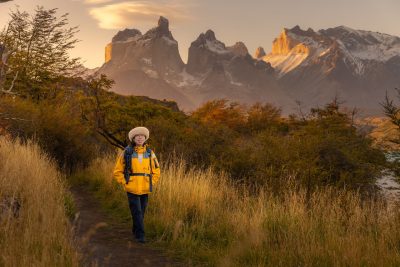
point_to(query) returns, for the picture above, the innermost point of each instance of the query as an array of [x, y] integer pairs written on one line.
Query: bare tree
[[95, 106], [35, 50]]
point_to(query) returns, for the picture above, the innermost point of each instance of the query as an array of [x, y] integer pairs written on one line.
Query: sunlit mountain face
[[150, 64], [306, 66], [358, 66]]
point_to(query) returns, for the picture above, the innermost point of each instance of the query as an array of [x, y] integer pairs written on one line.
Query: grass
[[34, 206], [204, 218]]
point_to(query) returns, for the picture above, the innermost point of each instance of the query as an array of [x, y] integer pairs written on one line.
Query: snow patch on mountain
[[368, 45], [285, 63], [188, 80], [216, 47], [229, 75], [308, 41], [295, 48], [151, 73], [355, 62], [147, 61]]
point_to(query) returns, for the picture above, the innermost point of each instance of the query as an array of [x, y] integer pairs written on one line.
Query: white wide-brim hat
[[138, 130]]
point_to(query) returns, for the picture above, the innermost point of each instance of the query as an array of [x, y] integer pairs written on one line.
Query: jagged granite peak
[[163, 24], [298, 31], [125, 35], [283, 43], [204, 38], [162, 30], [314, 66], [142, 65], [205, 51], [260, 53], [339, 46], [295, 47], [354, 44], [288, 40], [227, 66], [210, 35], [239, 49], [158, 39], [305, 65]]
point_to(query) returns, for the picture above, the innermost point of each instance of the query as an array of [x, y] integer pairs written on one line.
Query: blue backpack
[[130, 152]]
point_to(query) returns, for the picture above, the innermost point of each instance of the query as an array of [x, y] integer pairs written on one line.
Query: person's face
[[139, 139]]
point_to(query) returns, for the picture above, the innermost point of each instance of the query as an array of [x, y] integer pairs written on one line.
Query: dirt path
[[107, 243]]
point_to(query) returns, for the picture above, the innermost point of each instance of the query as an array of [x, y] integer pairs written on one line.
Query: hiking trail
[[105, 242]]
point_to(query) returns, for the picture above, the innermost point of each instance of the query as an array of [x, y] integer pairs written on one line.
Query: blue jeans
[[137, 205]]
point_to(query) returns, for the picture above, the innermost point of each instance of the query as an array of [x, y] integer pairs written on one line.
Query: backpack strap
[[148, 151], [128, 162]]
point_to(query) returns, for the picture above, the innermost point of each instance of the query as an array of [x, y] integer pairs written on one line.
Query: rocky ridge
[[303, 65]]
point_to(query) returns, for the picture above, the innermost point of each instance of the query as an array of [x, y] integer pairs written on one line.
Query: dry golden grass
[[211, 222], [38, 232]]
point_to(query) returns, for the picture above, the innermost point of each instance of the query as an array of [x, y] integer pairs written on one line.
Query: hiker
[[137, 169]]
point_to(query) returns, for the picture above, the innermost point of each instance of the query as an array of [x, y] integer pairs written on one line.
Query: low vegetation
[[204, 217], [34, 205]]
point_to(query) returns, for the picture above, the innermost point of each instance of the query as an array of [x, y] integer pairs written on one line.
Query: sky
[[254, 22]]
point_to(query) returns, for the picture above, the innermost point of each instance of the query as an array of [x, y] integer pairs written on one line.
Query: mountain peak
[[288, 40], [292, 47], [298, 31], [162, 30], [152, 53], [205, 51], [209, 41], [343, 27], [163, 24], [239, 49], [124, 35], [210, 35], [259, 53]]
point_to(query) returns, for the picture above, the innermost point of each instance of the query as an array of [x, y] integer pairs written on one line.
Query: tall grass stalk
[[34, 226], [202, 216]]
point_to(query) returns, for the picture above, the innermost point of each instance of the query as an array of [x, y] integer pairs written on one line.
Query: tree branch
[[9, 91], [112, 140], [4, 55]]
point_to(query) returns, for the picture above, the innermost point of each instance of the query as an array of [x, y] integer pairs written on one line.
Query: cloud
[[125, 14]]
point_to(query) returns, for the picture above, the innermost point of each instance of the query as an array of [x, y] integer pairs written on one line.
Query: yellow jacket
[[140, 184]]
